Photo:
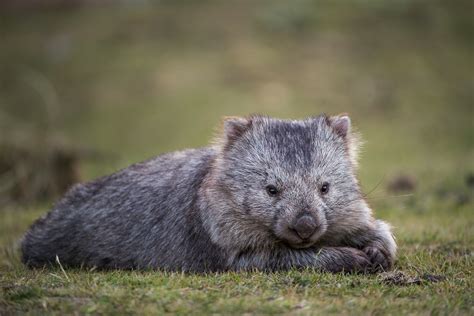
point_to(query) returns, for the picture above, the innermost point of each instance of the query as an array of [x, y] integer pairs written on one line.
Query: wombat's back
[[142, 216]]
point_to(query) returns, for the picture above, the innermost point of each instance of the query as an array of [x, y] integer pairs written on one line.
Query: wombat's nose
[[305, 226]]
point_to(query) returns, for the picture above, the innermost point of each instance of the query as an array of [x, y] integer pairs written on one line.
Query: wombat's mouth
[[303, 244], [292, 239]]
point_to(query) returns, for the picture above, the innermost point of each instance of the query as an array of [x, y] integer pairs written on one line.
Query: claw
[[379, 261]]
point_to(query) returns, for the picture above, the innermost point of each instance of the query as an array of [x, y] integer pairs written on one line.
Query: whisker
[[376, 186], [340, 203], [390, 196]]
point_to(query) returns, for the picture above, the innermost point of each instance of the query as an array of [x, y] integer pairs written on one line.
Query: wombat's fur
[[270, 194]]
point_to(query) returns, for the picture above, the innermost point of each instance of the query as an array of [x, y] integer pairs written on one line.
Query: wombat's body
[[272, 195]]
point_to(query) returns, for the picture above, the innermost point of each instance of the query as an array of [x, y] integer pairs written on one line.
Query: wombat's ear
[[234, 128], [341, 124]]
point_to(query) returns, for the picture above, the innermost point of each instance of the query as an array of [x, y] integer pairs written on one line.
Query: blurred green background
[[91, 86], [119, 82]]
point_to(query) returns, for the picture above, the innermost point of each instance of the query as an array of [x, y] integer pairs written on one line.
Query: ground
[[137, 80]]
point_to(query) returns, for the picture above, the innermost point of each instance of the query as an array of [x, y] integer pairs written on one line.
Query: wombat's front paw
[[380, 261], [346, 259]]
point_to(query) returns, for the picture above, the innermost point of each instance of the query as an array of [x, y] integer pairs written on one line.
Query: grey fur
[[210, 209]]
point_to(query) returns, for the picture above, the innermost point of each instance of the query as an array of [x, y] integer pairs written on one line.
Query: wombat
[[270, 195]]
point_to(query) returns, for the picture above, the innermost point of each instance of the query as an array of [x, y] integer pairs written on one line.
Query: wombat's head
[[294, 179]]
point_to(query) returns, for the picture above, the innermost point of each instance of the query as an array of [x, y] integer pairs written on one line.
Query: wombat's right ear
[[341, 124], [234, 128]]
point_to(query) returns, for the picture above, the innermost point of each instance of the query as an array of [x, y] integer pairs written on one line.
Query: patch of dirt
[[470, 180], [402, 183], [401, 279]]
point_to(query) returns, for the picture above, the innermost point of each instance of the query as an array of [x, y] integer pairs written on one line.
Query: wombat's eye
[[271, 190], [324, 188]]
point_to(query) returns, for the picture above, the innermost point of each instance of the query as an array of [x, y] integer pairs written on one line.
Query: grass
[[134, 81], [436, 242]]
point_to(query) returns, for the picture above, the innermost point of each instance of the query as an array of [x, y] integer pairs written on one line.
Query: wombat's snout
[[302, 229], [305, 226]]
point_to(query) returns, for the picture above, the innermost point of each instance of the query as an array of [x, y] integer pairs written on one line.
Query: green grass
[[133, 81], [434, 242]]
